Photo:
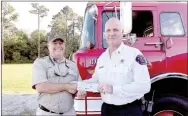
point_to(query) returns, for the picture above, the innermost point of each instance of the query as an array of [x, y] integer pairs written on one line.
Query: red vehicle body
[[161, 35]]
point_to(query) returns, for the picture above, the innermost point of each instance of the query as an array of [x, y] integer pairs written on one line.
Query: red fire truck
[[159, 31]]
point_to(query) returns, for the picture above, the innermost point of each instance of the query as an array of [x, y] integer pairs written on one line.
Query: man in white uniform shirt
[[122, 74]]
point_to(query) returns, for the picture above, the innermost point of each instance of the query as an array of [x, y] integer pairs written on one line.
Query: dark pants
[[131, 109]]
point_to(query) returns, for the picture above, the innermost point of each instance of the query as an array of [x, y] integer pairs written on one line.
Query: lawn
[[17, 78]]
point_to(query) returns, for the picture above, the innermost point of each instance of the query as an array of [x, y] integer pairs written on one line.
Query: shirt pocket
[[50, 72], [120, 72], [72, 75], [120, 69]]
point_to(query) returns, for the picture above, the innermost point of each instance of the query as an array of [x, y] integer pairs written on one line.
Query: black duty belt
[[136, 102], [43, 108]]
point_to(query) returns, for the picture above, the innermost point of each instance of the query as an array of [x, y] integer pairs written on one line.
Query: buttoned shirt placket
[[108, 68], [111, 62], [58, 66]]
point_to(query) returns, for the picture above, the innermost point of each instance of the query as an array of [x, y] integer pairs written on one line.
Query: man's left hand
[[105, 88]]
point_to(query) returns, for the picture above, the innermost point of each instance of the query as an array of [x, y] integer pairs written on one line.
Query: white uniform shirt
[[130, 80]]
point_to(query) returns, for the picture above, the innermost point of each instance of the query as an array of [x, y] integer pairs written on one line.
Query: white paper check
[[86, 86]]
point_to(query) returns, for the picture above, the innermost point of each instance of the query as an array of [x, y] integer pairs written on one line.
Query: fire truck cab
[[159, 31]]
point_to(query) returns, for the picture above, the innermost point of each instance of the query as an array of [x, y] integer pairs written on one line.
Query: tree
[[64, 24], [33, 44], [8, 28], [19, 48], [68, 14], [41, 11], [16, 48]]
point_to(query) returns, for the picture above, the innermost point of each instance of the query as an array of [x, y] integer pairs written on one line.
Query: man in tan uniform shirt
[[51, 77]]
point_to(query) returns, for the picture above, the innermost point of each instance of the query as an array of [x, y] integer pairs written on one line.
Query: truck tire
[[170, 106]]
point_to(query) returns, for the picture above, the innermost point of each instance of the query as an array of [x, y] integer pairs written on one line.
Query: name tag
[[101, 67]]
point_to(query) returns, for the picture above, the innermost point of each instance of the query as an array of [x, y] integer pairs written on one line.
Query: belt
[[136, 102], [44, 109]]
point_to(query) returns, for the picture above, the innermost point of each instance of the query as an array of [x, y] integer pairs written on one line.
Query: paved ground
[[19, 104]]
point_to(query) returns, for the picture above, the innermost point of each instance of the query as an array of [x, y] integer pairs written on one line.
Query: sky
[[29, 22]]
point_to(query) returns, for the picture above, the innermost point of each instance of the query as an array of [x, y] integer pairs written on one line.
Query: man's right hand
[[81, 94]]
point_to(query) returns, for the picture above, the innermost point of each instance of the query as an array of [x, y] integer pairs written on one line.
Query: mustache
[[111, 37]]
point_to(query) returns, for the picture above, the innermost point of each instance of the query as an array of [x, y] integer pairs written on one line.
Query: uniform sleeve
[[38, 73], [141, 84]]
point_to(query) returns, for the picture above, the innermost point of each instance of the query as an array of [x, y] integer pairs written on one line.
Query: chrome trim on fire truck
[[169, 75]]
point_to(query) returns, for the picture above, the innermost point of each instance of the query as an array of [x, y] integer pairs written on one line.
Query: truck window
[[105, 17], [142, 23], [171, 24], [88, 34]]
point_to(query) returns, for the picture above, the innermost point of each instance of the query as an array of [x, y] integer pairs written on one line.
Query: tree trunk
[[3, 57], [38, 36]]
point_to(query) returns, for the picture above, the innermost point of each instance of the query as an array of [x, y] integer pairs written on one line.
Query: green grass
[[17, 78]]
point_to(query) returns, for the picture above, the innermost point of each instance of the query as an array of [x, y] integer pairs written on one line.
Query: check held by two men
[[86, 86]]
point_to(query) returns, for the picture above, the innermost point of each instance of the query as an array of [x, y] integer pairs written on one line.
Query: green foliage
[[39, 9], [8, 19], [19, 47], [8, 16], [68, 25], [72, 46], [15, 46], [16, 56]]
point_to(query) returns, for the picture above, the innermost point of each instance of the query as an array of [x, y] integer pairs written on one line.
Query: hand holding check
[[105, 88]]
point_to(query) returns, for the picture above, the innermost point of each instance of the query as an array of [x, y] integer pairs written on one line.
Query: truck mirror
[[90, 45], [126, 16], [130, 38], [93, 11]]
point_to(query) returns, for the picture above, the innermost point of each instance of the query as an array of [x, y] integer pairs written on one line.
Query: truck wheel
[[170, 106]]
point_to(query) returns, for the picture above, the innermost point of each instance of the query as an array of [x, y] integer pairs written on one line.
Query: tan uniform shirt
[[47, 70]]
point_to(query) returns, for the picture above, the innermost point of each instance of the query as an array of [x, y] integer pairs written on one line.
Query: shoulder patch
[[141, 60]]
